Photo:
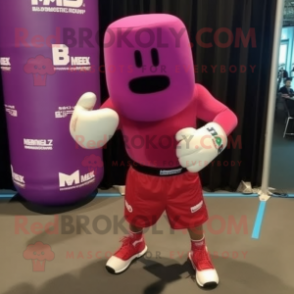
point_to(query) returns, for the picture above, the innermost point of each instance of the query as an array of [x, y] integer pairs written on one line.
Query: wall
[[288, 34]]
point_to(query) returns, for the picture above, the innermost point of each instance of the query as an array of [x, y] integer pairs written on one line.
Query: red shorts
[[148, 196]]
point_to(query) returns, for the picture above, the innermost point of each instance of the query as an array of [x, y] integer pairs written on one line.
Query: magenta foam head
[[149, 66]]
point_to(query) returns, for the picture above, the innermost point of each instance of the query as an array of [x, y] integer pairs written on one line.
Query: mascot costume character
[[154, 101]]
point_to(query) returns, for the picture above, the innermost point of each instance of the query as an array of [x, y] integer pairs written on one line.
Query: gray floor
[[245, 265], [282, 157]]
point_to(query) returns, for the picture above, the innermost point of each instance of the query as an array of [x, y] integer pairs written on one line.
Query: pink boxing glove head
[[149, 66]]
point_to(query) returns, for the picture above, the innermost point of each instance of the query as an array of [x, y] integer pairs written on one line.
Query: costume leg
[[133, 247], [135, 229], [186, 209], [206, 274], [142, 210], [196, 233]]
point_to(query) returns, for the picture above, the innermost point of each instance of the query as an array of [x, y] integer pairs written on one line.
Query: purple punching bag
[[49, 58]]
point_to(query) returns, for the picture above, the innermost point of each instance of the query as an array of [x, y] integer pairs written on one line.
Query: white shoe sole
[[128, 263], [206, 285]]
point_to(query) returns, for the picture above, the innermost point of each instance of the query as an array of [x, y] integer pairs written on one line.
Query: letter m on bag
[[65, 3], [69, 180], [45, 2]]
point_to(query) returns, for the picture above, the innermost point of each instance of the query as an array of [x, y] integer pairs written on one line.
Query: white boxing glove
[[198, 148], [92, 129]]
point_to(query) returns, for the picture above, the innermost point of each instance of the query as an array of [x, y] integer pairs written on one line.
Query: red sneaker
[[206, 274], [133, 247]]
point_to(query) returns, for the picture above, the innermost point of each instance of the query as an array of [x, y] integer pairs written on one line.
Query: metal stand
[[264, 194]]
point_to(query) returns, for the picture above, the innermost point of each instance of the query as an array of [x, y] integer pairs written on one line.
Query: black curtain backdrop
[[244, 92], [5, 173]]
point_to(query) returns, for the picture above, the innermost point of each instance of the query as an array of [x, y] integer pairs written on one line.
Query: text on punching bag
[[73, 181]]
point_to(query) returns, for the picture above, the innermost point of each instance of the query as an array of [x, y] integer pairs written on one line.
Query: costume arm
[[88, 125], [211, 139], [109, 104], [211, 110]]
